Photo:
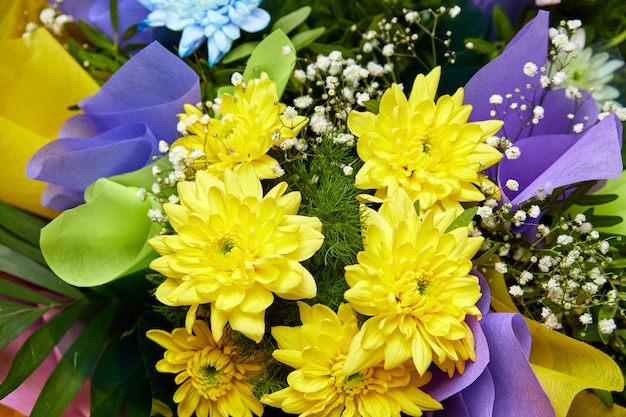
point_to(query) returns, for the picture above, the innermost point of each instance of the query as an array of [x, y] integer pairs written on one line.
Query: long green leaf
[[20, 223], [270, 57], [292, 20], [72, 371], [240, 51], [38, 346], [22, 267], [107, 400], [20, 292], [463, 220], [303, 39], [21, 246], [15, 318], [96, 37]]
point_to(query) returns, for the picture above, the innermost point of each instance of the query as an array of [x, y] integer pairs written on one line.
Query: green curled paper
[[103, 239]]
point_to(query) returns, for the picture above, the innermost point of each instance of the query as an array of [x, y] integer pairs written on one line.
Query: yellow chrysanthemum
[[235, 248], [213, 378], [425, 147], [319, 387], [252, 122], [413, 280]]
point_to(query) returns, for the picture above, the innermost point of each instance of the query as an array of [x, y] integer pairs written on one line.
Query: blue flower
[[217, 21]]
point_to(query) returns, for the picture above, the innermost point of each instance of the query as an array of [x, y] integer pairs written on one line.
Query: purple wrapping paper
[[552, 155], [120, 128], [96, 13], [501, 382]]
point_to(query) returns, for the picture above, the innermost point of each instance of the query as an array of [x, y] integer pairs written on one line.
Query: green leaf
[[38, 346], [502, 24], [240, 51], [605, 397], [92, 244], [292, 20], [484, 258], [269, 57], [162, 385], [303, 39], [20, 292], [96, 37], [120, 359], [618, 263], [15, 318], [72, 371], [372, 105], [595, 199], [114, 20], [22, 267], [13, 242], [464, 219], [20, 223], [107, 400]]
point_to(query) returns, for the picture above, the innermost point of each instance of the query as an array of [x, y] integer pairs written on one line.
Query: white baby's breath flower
[[607, 326], [512, 185], [516, 291], [495, 99], [585, 319], [530, 69]]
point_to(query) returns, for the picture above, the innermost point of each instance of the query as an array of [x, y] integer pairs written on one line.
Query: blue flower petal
[[258, 20], [232, 31], [214, 52], [190, 40], [222, 41]]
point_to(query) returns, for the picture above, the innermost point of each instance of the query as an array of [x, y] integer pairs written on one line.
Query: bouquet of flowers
[[366, 208]]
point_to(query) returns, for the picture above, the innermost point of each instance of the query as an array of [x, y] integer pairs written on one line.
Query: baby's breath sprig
[[559, 274]]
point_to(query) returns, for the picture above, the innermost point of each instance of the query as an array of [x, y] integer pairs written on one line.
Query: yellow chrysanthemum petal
[[213, 377], [319, 385], [234, 247], [250, 123], [413, 279], [425, 147]]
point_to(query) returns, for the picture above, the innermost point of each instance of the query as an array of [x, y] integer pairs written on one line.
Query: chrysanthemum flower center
[[356, 384], [225, 245], [412, 287], [211, 372]]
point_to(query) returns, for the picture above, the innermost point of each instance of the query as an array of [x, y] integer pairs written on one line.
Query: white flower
[[585, 319], [564, 239], [512, 185], [512, 152], [530, 69], [495, 99], [559, 78], [142, 194], [574, 24], [604, 247], [163, 146], [516, 291], [303, 102], [525, 277], [454, 11], [484, 212], [519, 217], [388, 50], [534, 211], [501, 267], [347, 170], [606, 326], [590, 288]]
